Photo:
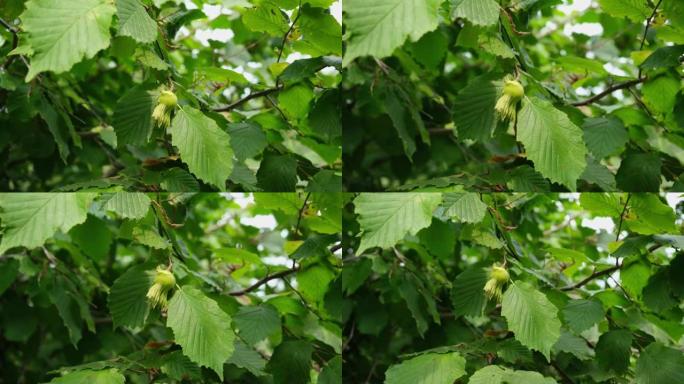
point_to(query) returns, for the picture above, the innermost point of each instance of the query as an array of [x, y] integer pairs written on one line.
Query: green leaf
[[135, 22], [29, 219], [255, 323], [291, 362], [127, 299], [634, 278], [247, 358], [49, 114], [552, 142], [93, 237], [581, 314], [652, 215], [401, 115], [87, 376], [8, 273], [387, 218], [277, 173], [657, 294], [525, 179], [635, 10], [332, 372], [603, 204], [62, 33], [659, 364], [179, 367], [660, 93], [314, 281], [295, 101], [410, 290], [376, 28], [604, 135], [494, 374], [532, 317], [203, 146], [303, 69], [613, 351], [180, 180], [71, 306], [478, 12], [429, 368], [314, 246], [133, 122], [266, 17], [639, 172], [581, 65], [201, 328], [664, 57], [321, 33], [474, 109], [466, 207], [355, 274], [599, 174], [325, 181], [574, 345], [129, 205], [467, 294], [247, 139]]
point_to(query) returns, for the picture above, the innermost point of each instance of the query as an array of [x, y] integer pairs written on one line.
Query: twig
[[622, 217], [308, 307], [294, 22], [264, 280], [245, 99], [591, 277], [564, 375], [648, 25], [441, 131], [609, 91], [301, 211], [15, 40]]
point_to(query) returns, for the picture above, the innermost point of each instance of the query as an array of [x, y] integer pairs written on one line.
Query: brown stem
[[263, 281], [294, 22], [648, 25], [609, 91], [245, 99]]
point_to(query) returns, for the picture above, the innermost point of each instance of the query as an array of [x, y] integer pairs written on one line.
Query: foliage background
[[596, 288], [72, 295], [82, 117], [419, 98]]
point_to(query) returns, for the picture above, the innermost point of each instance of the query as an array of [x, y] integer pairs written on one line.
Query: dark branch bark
[[264, 280], [247, 98], [609, 91], [648, 25], [277, 275], [604, 272], [591, 277], [294, 22]]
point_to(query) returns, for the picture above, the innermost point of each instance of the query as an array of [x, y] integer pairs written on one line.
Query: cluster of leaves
[[258, 110], [601, 113], [595, 291], [255, 301]]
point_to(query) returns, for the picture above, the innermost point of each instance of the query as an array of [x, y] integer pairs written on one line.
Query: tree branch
[[648, 25], [294, 22], [591, 277], [277, 275], [604, 272], [245, 99], [15, 40], [609, 91], [264, 280]]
